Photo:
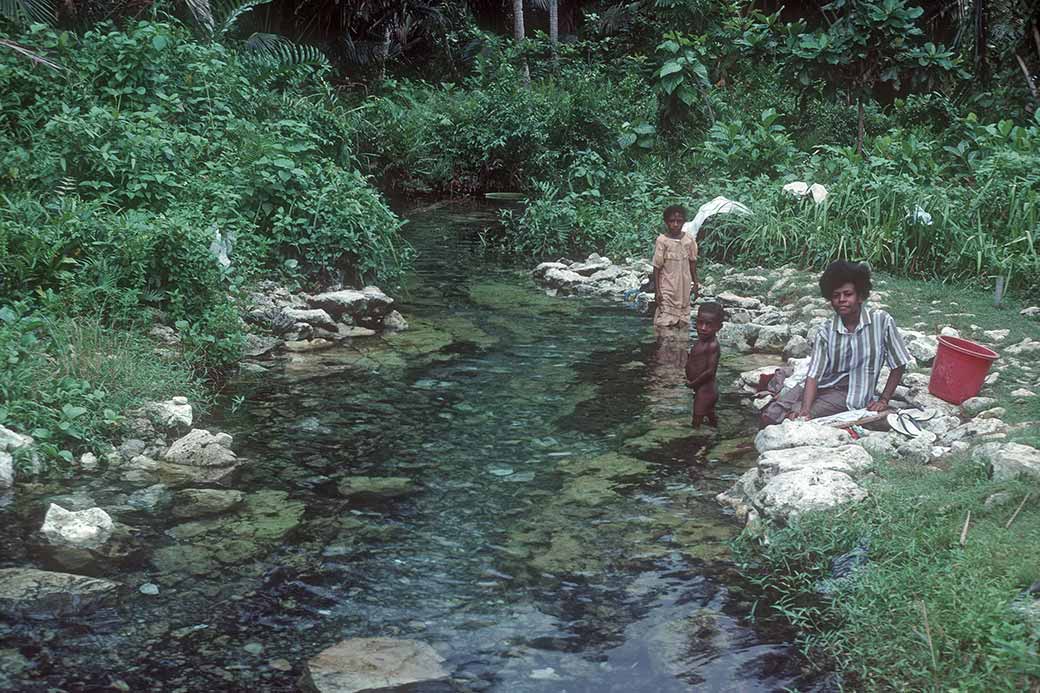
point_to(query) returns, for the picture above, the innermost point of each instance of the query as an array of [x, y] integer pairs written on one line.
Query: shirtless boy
[[702, 363]]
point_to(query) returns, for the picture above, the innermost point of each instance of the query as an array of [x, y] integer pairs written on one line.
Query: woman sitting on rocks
[[848, 353]]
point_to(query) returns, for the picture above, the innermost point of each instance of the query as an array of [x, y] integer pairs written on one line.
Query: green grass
[[69, 381], [971, 311], [875, 631]]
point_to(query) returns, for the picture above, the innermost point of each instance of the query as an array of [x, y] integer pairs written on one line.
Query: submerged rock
[[372, 664], [199, 502], [376, 487], [41, 593], [205, 544]]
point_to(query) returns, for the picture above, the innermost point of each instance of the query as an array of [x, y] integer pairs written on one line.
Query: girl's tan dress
[[672, 258]]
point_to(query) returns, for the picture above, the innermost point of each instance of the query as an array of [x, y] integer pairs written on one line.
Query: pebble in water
[[149, 588]]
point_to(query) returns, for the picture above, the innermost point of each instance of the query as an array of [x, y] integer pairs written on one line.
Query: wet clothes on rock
[[672, 258]]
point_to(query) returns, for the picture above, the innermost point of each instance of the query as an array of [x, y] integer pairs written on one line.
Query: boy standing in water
[[702, 364], [675, 271]]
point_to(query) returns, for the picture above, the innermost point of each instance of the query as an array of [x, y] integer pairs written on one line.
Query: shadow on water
[[512, 480]]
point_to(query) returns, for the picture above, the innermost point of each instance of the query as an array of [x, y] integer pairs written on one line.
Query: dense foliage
[[128, 172], [599, 143]]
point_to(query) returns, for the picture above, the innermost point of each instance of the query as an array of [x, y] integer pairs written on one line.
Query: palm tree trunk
[[554, 24], [518, 33]]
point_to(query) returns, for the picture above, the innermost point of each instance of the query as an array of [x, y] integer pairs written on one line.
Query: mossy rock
[[367, 488], [659, 436], [507, 297], [588, 491], [567, 554], [612, 465], [266, 516]]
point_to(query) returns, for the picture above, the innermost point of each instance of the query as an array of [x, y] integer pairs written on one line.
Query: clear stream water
[[562, 535]]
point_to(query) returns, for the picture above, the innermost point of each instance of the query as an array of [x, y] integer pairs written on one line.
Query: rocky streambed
[[503, 496]]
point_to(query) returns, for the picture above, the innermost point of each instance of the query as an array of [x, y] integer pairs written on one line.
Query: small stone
[[88, 461], [253, 648], [280, 665], [972, 406], [996, 335], [149, 588], [395, 322], [994, 413], [1030, 312], [305, 345], [1022, 393]]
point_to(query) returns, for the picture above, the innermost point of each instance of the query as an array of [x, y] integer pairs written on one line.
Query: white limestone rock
[[796, 434], [797, 347], [772, 339], [973, 406], [786, 496], [315, 317], [850, 459], [395, 322], [85, 529], [923, 348], [6, 470], [564, 280], [173, 414], [1007, 461], [367, 304], [728, 298], [976, 429], [1027, 347]]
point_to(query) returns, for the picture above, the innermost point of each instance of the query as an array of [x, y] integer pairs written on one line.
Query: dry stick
[[964, 532], [1017, 510], [928, 635]]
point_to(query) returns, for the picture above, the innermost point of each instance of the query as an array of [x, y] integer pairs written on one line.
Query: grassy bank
[[925, 613]]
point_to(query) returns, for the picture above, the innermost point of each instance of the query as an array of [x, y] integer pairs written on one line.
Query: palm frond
[[203, 13], [272, 50], [231, 11], [35, 57], [43, 11]]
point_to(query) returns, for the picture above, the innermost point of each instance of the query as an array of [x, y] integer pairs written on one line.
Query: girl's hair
[[844, 272], [672, 209]]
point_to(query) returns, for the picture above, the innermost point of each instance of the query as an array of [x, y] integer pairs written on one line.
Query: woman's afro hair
[[842, 272]]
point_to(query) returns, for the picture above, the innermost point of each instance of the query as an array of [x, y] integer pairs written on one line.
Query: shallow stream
[[561, 536]]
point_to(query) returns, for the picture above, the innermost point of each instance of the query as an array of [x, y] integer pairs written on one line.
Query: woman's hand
[[878, 405]]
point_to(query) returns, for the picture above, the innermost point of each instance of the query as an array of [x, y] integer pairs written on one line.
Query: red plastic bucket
[[959, 368]]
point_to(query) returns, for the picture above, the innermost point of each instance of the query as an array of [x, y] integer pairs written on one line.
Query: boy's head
[[674, 217], [846, 285], [709, 320]]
